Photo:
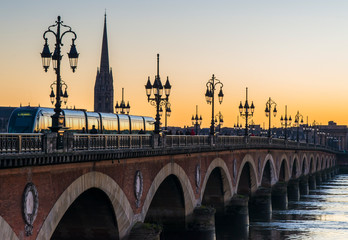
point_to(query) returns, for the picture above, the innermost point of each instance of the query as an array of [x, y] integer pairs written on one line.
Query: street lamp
[[315, 124], [196, 121], [209, 97], [122, 107], [298, 119], [268, 112], [285, 122], [158, 101], [245, 113], [168, 113], [307, 129], [219, 120], [238, 126], [46, 55]]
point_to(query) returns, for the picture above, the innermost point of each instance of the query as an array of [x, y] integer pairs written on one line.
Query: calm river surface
[[323, 214]]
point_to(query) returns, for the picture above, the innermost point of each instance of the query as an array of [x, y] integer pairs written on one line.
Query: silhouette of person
[[94, 130]]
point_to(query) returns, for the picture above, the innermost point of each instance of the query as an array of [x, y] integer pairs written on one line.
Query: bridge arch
[[226, 179], [304, 165], [247, 173], [322, 162], [317, 163], [311, 164], [122, 208], [295, 169], [268, 173], [6, 231], [284, 169], [166, 171]]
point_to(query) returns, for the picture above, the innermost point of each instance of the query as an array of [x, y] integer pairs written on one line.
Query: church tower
[[104, 86]]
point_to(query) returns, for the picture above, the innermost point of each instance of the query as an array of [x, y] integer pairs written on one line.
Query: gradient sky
[[295, 52]]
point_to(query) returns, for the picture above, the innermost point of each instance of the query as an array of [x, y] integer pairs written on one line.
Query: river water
[[321, 215]]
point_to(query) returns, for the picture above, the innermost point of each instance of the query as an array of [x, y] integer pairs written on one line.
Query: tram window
[[95, 122], [124, 126], [149, 125], [137, 124], [110, 125]]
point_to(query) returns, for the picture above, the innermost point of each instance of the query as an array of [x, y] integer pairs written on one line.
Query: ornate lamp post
[[122, 107], [196, 121], [219, 120], [46, 55], [268, 112], [209, 97], [298, 119], [286, 122], [245, 112], [158, 101]]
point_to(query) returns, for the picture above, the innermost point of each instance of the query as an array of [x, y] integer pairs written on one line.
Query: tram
[[38, 120]]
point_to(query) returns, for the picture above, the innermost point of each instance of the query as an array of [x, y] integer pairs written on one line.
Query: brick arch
[[304, 163], [326, 162], [122, 208], [285, 159], [254, 182], [322, 162], [298, 167], [6, 231], [317, 163], [311, 163], [176, 170], [274, 177], [226, 179]]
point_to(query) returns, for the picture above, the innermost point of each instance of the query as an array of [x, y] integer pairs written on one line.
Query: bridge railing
[[110, 141], [182, 140], [46, 143], [21, 143], [230, 140]]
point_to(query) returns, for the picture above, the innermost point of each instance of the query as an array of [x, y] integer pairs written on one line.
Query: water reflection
[[321, 215]]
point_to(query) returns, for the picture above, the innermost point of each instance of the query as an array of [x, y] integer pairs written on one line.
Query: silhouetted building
[[333, 134], [104, 86]]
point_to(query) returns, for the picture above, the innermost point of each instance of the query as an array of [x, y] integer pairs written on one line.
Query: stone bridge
[[101, 186]]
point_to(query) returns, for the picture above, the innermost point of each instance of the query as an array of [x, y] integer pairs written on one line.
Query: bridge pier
[[237, 210], [260, 205], [236, 218], [142, 231], [202, 224], [280, 196], [323, 176], [328, 175], [312, 182], [304, 188], [293, 190], [318, 178]]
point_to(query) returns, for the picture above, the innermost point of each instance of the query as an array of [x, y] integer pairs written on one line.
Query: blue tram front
[[37, 119]]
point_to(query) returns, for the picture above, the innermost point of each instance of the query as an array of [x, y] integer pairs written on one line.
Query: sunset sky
[[295, 52]]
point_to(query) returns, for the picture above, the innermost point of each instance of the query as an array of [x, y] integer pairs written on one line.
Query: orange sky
[[294, 52]]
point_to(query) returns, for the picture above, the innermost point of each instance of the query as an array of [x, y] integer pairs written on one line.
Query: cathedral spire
[[104, 86], [104, 61]]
